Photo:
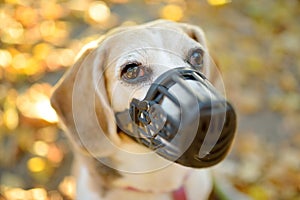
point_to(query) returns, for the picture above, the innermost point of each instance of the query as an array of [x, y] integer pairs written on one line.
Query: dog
[[120, 65]]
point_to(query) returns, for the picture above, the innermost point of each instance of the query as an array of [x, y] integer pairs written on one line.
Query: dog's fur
[[108, 164]]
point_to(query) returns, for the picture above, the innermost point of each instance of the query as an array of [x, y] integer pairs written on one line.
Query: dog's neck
[[95, 178], [97, 184], [109, 175], [96, 181]]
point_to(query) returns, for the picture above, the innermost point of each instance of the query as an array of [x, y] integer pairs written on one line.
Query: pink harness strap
[[179, 194]]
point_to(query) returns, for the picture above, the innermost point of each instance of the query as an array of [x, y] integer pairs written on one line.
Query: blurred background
[[255, 43]]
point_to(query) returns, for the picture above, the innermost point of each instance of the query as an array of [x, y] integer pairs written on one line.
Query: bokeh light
[[40, 148], [52, 10], [218, 2], [35, 103], [5, 58], [11, 118], [55, 154], [13, 33], [67, 187], [20, 194], [36, 164], [27, 16], [38, 193], [47, 28], [10, 115], [172, 12], [16, 194], [99, 11]]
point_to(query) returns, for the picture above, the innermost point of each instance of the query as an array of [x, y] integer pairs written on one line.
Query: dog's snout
[[196, 125]]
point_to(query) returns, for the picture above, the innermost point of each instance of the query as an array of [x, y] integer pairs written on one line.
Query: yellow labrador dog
[[108, 74]]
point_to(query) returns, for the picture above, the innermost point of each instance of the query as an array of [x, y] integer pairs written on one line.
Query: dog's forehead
[[148, 38]]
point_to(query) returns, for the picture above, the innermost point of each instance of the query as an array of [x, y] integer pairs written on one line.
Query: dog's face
[[107, 75], [113, 70]]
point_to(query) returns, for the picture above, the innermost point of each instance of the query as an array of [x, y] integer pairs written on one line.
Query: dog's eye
[[195, 58], [132, 71]]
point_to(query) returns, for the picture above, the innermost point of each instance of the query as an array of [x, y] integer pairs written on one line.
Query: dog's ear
[[195, 33], [83, 106]]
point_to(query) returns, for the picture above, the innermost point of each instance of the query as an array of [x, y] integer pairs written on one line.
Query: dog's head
[[111, 72]]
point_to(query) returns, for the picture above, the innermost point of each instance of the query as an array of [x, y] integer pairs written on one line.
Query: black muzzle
[[182, 118]]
